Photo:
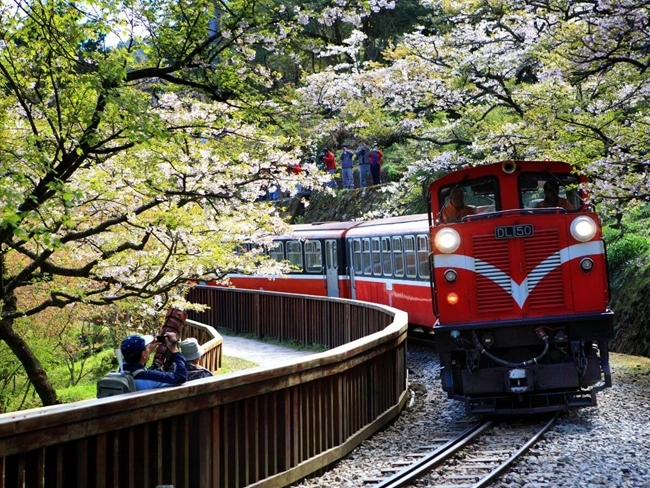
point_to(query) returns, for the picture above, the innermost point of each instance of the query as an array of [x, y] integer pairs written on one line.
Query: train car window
[[398, 256], [294, 254], [356, 256], [313, 257], [367, 270], [276, 251], [376, 256], [246, 247], [386, 256], [532, 193], [423, 256], [470, 197], [409, 255]]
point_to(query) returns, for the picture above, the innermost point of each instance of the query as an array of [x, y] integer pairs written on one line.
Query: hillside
[[630, 290], [352, 205]]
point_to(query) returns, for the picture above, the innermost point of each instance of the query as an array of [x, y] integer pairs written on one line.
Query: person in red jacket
[[374, 159], [330, 164]]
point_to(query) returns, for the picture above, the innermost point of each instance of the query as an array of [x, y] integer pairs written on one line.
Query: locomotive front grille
[[541, 266], [492, 266]]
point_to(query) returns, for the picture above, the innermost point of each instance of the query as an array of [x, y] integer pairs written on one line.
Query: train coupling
[[519, 380]]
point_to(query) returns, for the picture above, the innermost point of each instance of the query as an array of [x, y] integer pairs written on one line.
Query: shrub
[[630, 248]]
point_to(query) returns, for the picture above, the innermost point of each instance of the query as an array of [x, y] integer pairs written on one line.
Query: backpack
[[116, 383]]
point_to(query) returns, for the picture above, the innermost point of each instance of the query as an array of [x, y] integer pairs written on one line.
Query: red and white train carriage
[[383, 261], [516, 295]]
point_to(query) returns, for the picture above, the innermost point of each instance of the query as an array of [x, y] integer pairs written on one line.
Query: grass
[[231, 364], [86, 390], [629, 365]]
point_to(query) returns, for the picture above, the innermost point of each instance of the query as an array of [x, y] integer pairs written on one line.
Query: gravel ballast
[[606, 446]]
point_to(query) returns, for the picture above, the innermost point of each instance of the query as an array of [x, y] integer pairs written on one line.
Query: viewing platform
[[268, 426]]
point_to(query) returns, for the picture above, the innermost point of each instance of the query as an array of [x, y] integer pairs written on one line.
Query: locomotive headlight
[[452, 299], [583, 228], [447, 240], [450, 276]]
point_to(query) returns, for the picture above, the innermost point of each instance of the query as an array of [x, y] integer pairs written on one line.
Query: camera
[[163, 339]]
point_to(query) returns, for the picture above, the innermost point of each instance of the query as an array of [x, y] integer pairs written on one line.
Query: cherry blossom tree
[[136, 139], [483, 81]]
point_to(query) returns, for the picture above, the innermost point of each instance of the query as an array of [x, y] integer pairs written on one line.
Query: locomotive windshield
[[549, 190], [469, 197]]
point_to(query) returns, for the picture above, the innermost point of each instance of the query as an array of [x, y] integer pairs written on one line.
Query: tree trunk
[[35, 372]]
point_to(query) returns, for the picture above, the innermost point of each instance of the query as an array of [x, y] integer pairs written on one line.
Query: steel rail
[[498, 471], [433, 459]]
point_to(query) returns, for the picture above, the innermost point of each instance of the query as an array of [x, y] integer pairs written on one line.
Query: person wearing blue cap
[[136, 350]]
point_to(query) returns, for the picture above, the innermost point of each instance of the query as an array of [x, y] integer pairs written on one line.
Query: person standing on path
[[346, 168], [374, 158], [364, 168], [330, 165]]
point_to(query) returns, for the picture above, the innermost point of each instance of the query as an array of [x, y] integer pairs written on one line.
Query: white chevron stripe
[[519, 291]]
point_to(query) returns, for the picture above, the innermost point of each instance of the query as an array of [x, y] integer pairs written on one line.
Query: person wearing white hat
[[192, 351]]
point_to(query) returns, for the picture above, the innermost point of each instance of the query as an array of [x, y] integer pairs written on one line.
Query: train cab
[[520, 275]]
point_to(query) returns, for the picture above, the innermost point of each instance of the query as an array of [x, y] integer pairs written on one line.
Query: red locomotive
[[521, 289], [511, 279]]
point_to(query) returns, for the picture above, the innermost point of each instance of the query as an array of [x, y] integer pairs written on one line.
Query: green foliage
[[636, 218], [16, 393], [628, 242], [125, 168], [630, 249]]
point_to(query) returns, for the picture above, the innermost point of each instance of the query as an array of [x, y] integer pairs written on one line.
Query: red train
[[514, 288], [384, 261]]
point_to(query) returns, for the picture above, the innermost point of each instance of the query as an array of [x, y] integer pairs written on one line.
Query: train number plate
[[508, 231]]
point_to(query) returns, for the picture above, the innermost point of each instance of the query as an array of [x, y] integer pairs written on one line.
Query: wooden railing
[[265, 427]]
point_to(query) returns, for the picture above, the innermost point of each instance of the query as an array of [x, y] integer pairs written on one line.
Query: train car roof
[[407, 224], [323, 230], [324, 226]]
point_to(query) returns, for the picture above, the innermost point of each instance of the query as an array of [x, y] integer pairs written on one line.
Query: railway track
[[473, 458]]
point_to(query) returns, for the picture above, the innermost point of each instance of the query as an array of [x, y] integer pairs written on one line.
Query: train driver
[[456, 208], [552, 197]]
